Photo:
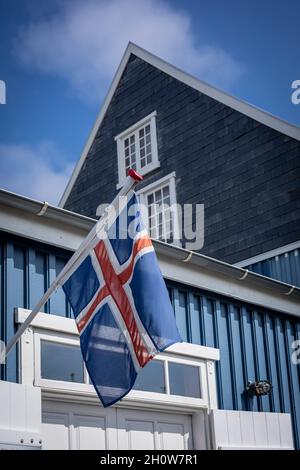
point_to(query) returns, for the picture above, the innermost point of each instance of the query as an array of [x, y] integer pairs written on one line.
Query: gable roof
[[239, 105], [35, 218]]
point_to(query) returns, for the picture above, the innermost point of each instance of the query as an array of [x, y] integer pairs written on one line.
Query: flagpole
[[132, 179]]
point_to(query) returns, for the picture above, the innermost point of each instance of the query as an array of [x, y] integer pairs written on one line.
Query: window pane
[[61, 362], [184, 380], [150, 199], [166, 191], [151, 378], [158, 195]]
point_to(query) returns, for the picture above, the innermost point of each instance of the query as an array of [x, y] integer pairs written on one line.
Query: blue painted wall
[[254, 343], [285, 267], [26, 271]]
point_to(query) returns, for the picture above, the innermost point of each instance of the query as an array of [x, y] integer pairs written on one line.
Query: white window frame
[[120, 138], [169, 179], [63, 340], [85, 386], [62, 330]]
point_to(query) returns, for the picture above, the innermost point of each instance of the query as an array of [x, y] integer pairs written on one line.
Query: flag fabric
[[121, 305]]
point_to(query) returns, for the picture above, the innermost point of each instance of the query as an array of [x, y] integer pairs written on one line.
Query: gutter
[[43, 209], [221, 267]]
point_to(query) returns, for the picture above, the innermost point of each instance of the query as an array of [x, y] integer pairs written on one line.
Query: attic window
[[137, 148]]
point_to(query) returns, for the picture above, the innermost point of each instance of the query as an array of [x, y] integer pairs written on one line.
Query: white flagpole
[[132, 179]]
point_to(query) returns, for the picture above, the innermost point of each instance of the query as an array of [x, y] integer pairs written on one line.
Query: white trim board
[[234, 103], [44, 321], [268, 254], [191, 275]]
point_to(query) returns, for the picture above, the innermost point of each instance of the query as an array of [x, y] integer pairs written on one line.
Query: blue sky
[[58, 57]]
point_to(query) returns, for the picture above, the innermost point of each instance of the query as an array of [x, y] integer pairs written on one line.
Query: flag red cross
[[114, 287]]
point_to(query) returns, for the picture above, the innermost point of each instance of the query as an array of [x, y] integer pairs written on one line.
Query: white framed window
[[50, 358], [137, 148], [160, 200], [170, 378]]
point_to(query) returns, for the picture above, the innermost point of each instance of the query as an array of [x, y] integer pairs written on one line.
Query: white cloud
[[84, 43], [39, 172]]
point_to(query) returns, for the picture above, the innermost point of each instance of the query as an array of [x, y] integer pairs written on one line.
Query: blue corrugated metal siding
[[285, 267], [253, 343], [26, 271]]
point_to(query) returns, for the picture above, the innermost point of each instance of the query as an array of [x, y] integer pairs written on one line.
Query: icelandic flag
[[121, 306]]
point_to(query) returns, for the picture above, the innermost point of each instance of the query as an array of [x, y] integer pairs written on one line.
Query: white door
[[76, 426], [154, 430]]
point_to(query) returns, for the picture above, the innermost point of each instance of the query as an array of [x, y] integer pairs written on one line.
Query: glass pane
[[160, 231], [150, 199], [184, 380], [157, 195], [152, 222], [132, 139], [147, 129], [151, 378], [148, 139], [61, 362], [166, 191], [141, 132]]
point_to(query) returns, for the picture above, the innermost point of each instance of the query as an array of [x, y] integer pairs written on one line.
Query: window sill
[[143, 172]]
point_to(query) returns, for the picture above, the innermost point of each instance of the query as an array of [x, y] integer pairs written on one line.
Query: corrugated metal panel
[[26, 271], [285, 267], [254, 344]]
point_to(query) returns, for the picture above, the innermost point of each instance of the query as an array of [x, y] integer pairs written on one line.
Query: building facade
[[236, 328], [240, 322]]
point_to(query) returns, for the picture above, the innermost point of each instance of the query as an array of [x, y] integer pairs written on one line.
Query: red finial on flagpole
[[135, 175]]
